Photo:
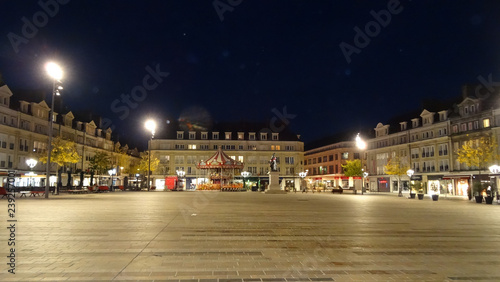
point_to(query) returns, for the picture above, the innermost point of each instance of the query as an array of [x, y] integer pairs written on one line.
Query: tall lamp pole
[[361, 145], [31, 163], [55, 72], [410, 173], [151, 126], [245, 174]]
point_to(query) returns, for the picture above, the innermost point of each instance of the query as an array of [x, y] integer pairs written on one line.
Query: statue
[[272, 163]]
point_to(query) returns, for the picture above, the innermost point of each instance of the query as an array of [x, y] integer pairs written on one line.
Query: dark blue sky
[[263, 55]]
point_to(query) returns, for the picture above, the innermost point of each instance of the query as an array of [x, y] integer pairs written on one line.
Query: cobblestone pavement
[[250, 236]]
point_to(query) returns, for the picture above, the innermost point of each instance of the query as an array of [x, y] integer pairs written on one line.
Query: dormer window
[[180, 135], [204, 135], [192, 135], [241, 135], [263, 136], [227, 135], [472, 109], [215, 135], [275, 136], [415, 122], [403, 125], [466, 110], [251, 136]]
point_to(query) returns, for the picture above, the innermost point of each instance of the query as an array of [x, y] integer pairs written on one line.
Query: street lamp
[[180, 174], [31, 163], [151, 126], [410, 173], [55, 72], [302, 175], [245, 174], [137, 181], [361, 145], [111, 172], [365, 175]]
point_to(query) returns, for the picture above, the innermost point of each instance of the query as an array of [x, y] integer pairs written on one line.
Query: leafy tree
[[397, 167], [353, 168], [479, 152], [98, 164], [63, 153], [144, 163]]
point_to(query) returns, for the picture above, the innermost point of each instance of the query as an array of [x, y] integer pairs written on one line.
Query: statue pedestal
[[274, 184]]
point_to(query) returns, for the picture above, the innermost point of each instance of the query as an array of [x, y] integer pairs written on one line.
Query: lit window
[[486, 122], [228, 135], [241, 135]]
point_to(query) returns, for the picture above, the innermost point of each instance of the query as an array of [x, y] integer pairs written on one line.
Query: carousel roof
[[220, 160]]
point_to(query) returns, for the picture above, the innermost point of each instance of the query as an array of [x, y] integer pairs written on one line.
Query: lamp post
[[410, 173], [180, 174], [31, 163], [365, 175], [302, 175], [361, 145], [55, 72], [151, 126], [137, 181], [111, 172], [245, 174]]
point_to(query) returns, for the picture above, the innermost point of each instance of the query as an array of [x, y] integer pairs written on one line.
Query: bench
[[103, 188], [35, 193], [337, 190], [24, 193]]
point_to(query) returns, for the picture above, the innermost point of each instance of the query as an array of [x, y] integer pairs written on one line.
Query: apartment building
[[24, 134], [324, 164], [250, 143], [428, 144]]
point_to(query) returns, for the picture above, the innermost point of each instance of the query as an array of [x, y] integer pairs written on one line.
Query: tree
[[353, 168], [478, 153], [144, 163], [63, 153], [98, 164], [397, 167]]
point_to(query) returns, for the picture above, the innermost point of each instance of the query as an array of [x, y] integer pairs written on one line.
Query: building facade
[[247, 144], [24, 135], [324, 165], [428, 144]]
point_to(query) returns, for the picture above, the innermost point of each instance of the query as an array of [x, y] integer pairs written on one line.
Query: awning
[[455, 176]]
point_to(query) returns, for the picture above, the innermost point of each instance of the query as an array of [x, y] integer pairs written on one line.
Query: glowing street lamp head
[[360, 143], [54, 70], [150, 125]]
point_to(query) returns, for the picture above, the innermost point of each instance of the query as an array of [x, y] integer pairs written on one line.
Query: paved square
[[250, 236]]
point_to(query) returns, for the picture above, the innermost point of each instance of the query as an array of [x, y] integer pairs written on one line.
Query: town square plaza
[[248, 236]]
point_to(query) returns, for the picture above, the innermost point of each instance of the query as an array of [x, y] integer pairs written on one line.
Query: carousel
[[220, 170]]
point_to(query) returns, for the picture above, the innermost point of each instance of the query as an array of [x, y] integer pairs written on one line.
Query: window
[[192, 135], [179, 159], [463, 127], [251, 136], [289, 160], [319, 160], [204, 135], [263, 136], [330, 158], [180, 146], [469, 125], [192, 147], [486, 122], [180, 134], [241, 135], [345, 155], [455, 129], [215, 135], [228, 135], [275, 136]]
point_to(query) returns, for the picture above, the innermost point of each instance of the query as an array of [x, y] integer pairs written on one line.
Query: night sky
[[249, 57]]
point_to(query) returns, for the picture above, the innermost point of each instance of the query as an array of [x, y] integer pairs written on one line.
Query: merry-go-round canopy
[[220, 160]]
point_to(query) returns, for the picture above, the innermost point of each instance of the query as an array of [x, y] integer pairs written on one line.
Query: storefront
[[383, 184]]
